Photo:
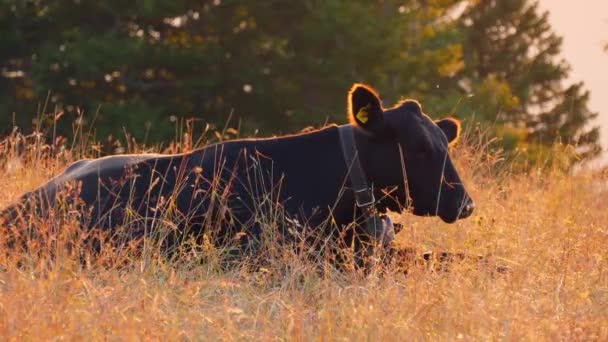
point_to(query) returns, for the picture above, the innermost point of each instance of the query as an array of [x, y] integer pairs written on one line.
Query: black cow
[[402, 153]]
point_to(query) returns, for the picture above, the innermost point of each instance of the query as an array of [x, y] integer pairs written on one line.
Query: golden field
[[550, 228]]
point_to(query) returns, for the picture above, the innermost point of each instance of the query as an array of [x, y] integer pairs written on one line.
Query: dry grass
[[550, 228]]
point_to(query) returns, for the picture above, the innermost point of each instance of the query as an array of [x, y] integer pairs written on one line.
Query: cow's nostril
[[467, 210]]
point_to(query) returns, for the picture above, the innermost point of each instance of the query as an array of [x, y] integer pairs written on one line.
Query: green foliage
[[516, 76], [277, 66]]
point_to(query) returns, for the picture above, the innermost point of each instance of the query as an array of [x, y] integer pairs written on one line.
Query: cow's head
[[404, 149]]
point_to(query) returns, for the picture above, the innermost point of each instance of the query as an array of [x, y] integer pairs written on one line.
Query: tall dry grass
[[549, 227]]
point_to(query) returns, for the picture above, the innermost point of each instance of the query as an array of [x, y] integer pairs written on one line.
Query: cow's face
[[416, 150]]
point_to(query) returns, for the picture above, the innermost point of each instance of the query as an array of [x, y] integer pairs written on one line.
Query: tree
[[515, 72], [276, 65]]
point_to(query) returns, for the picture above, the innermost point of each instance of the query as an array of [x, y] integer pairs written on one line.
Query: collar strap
[[364, 194], [379, 228]]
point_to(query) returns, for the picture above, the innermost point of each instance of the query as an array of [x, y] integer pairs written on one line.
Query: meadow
[[548, 226]]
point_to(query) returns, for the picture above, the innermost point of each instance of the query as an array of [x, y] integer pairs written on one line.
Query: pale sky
[[584, 26]]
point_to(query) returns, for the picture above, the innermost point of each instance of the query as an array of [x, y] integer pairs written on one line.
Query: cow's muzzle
[[467, 209]]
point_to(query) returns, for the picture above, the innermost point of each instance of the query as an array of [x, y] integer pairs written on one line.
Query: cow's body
[[229, 187], [308, 168]]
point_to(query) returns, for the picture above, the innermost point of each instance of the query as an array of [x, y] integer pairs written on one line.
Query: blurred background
[[276, 66]]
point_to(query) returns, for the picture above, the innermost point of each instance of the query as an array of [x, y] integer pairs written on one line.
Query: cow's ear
[[364, 107], [451, 128], [411, 106]]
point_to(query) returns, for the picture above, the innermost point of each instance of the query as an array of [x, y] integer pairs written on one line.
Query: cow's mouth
[[448, 216], [448, 219]]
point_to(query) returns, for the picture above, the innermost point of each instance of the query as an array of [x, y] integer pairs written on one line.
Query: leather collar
[[378, 227], [364, 193]]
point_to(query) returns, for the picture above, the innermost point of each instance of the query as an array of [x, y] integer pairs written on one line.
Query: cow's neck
[[381, 161]]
